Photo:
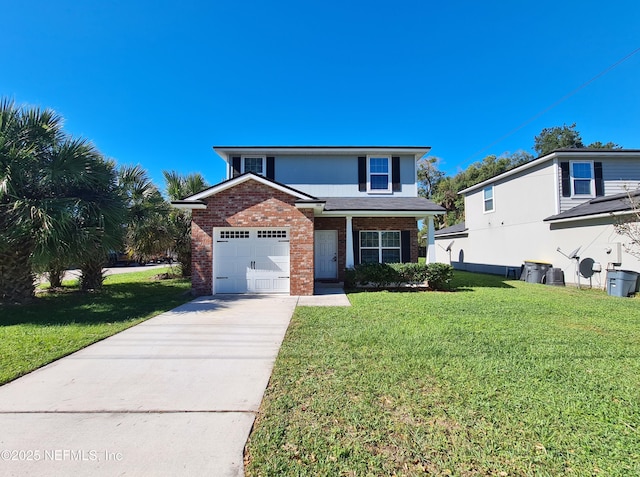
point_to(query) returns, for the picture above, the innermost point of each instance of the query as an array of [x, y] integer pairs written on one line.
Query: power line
[[549, 108]]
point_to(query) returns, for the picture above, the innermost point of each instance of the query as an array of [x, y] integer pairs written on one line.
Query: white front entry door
[[251, 260], [326, 254]]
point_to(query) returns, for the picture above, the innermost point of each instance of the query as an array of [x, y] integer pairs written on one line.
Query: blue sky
[[160, 82]]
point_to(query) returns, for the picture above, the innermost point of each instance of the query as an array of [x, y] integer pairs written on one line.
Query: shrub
[[382, 275], [379, 275], [439, 276]]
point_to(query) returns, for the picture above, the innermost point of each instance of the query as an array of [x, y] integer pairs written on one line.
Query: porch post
[[349, 261], [431, 241]]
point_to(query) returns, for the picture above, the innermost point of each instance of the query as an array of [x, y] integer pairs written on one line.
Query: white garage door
[[251, 260]]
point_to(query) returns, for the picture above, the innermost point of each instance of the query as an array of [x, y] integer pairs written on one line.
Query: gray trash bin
[[535, 272], [621, 282]]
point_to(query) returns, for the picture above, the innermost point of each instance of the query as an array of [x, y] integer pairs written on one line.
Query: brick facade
[[391, 223], [251, 204], [367, 223]]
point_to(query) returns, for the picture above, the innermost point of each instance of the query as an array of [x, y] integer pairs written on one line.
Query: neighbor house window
[[488, 198], [380, 247], [379, 174], [255, 164], [582, 178]]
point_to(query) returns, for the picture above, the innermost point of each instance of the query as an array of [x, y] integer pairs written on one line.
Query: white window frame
[[592, 181], [264, 164], [492, 199], [389, 188], [380, 248]]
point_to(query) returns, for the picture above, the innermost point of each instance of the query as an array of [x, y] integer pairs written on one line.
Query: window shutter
[[237, 168], [356, 247], [597, 172], [405, 244], [362, 174], [395, 173], [566, 180], [271, 165]]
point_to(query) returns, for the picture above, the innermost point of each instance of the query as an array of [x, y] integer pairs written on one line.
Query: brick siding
[[251, 204]]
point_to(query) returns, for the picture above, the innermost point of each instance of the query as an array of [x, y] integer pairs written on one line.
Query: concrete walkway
[[175, 395]]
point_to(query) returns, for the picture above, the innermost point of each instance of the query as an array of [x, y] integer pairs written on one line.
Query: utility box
[[621, 283]]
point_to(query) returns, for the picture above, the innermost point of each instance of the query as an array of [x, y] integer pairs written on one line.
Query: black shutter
[[237, 168], [362, 174], [566, 180], [271, 168], [356, 247], [597, 172], [405, 244], [395, 173]]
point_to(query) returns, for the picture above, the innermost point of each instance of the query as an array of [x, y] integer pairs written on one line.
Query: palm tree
[[27, 210], [49, 190], [178, 187], [148, 227]]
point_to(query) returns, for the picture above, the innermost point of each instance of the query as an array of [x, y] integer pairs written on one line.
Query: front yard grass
[[59, 323], [500, 378]]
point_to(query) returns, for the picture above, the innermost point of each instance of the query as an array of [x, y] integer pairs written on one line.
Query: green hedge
[[384, 275]]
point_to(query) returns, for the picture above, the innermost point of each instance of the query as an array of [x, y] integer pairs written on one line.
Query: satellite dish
[[586, 267], [574, 254], [448, 249]]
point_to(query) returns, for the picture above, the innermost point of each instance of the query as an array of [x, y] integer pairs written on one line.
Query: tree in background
[[447, 188], [630, 226], [561, 137], [178, 187], [429, 176], [148, 228]]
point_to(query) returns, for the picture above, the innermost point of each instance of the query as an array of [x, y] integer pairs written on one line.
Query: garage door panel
[[251, 260]]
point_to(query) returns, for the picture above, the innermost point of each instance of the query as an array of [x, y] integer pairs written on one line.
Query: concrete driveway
[[175, 395]]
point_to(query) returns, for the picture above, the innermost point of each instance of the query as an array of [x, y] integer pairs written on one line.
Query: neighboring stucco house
[[287, 216], [545, 209]]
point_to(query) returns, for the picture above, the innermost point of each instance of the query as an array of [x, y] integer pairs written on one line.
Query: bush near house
[[438, 276]]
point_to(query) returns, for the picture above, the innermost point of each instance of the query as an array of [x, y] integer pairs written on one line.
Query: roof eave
[[588, 217], [225, 151]]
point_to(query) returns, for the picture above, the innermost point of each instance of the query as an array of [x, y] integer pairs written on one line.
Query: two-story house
[[287, 216], [543, 211]]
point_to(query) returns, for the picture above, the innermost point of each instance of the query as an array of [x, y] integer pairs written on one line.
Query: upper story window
[[378, 174], [255, 164], [487, 195], [582, 178]]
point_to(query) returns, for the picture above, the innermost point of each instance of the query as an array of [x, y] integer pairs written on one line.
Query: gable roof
[[195, 201], [600, 206], [567, 153]]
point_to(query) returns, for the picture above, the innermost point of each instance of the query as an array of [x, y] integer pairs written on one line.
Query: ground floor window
[[380, 247]]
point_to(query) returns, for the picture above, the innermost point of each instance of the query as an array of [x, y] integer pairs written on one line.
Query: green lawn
[[60, 323], [500, 378]]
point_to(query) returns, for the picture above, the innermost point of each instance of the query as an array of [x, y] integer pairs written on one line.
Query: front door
[[326, 254]]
